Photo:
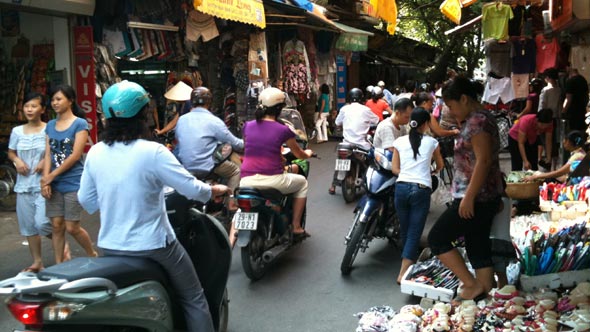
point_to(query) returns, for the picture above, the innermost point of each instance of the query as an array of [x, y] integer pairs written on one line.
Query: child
[[26, 150], [66, 138]]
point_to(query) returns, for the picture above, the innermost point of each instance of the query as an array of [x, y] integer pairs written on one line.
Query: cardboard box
[[425, 291], [553, 280]]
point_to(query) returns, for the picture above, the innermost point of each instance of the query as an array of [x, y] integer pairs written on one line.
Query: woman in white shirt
[[412, 157], [124, 177]]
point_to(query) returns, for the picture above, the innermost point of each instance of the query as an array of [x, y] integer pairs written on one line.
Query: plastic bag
[[442, 194]]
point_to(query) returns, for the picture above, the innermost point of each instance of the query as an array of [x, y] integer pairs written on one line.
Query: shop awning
[[352, 39], [244, 11]]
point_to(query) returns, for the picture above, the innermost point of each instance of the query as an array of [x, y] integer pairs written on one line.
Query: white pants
[[286, 183], [321, 125]]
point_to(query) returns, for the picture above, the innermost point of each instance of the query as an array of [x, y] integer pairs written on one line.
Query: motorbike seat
[[123, 271], [345, 146], [265, 192]]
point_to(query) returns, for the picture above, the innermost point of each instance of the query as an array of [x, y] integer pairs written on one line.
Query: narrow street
[[304, 291]]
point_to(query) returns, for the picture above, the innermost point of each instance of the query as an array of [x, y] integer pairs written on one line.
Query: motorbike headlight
[[383, 159]]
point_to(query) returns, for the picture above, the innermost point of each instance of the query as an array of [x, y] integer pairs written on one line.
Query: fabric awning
[[352, 39], [244, 11]]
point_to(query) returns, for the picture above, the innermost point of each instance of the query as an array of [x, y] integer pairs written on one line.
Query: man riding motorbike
[[198, 133], [356, 120], [124, 177], [390, 129]]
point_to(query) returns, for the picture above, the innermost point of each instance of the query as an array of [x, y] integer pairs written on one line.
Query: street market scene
[[295, 165]]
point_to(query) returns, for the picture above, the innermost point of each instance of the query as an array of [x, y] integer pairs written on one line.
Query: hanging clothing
[[520, 85], [296, 67], [524, 56], [495, 17], [498, 56], [498, 89], [516, 23], [547, 51]]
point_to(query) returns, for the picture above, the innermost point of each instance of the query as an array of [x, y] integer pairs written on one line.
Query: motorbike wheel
[[223, 313], [349, 186], [7, 182], [353, 246], [252, 262]]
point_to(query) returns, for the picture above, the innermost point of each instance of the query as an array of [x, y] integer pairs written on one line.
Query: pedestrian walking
[[412, 157], [26, 150], [321, 125], [66, 137]]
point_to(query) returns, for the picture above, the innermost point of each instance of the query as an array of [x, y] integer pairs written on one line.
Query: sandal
[[332, 191], [32, 269]]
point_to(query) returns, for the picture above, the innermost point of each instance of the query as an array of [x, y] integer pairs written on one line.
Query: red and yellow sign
[[85, 79], [245, 11]]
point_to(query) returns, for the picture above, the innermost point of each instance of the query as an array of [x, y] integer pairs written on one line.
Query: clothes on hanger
[[498, 89], [524, 55], [498, 57], [495, 18], [547, 52]]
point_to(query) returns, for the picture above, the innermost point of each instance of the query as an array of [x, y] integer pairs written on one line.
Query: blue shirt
[[389, 98], [126, 183], [30, 148], [61, 145], [198, 133]]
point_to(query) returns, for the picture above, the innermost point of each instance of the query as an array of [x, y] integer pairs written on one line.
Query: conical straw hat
[[179, 92]]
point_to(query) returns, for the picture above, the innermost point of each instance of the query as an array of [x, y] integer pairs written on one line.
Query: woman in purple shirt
[[263, 162]]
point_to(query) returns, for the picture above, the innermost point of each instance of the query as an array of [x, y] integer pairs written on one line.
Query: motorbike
[[230, 114], [7, 180], [350, 165], [375, 215], [216, 206], [125, 293], [264, 217]]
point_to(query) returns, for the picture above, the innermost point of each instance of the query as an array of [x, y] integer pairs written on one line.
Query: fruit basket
[[523, 190]]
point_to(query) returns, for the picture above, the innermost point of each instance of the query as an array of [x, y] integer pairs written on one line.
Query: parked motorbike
[[264, 218], [7, 180], [351, 165], [125, 293], [374, 215]]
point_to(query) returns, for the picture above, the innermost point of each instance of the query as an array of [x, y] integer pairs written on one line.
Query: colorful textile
[[547, 51], [465, 159]]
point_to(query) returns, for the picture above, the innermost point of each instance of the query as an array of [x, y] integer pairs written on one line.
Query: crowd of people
[[456, 110], [54, 183]]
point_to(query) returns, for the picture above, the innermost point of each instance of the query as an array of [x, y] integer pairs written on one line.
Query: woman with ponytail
[[574, 144], [412, 157], [477, 189]]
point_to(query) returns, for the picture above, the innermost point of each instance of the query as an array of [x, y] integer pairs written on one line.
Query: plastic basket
[[526, 190]]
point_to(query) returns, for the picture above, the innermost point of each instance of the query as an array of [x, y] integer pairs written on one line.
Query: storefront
[[36, 51]]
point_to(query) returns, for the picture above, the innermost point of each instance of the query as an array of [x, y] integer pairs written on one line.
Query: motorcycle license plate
[[342, 165], [246, 221]]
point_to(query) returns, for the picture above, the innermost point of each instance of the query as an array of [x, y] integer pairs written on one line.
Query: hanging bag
[[441, 195]]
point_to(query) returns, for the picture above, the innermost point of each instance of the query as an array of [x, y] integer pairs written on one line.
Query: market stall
[[548, 285]]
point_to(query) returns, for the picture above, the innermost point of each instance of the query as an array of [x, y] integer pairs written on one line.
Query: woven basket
[[526, 190]]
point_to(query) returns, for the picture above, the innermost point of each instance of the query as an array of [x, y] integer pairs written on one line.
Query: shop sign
[[340, 80], [366, 8], [85, 78], [245, 11], [352, 42]]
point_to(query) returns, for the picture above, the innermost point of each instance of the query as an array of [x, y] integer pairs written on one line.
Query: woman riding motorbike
[[134, 220], [263, 164]]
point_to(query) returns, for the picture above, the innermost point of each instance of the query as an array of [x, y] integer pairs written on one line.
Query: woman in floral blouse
[[477, 187]]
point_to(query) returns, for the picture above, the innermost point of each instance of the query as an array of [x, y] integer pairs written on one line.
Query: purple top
[[477, 122], [262, 147]]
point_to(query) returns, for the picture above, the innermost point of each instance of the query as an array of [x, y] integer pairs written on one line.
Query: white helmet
[[370, 89], [381, 84], [270, 97], [377, 91]]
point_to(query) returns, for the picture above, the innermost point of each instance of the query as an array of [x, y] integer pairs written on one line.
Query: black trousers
[[531, 151]]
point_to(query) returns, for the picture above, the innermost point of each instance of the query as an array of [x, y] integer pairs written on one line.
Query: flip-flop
[[301, 235], [332, 191], [32, 269]]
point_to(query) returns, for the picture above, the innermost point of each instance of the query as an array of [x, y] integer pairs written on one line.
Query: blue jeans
[[412, 204]]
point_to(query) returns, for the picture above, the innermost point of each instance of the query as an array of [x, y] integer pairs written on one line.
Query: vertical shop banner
[[340, 80], [85, 78]]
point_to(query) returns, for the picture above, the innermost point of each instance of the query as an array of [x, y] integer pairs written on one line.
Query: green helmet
[[124, 100]]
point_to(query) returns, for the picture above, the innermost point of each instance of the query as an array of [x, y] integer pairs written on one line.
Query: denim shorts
[[64, 205]]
